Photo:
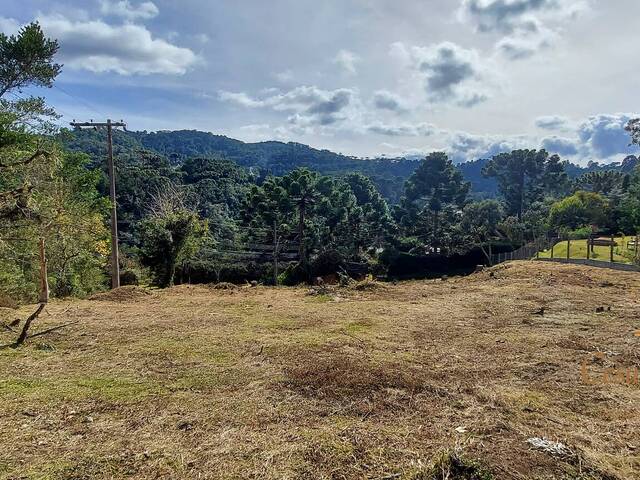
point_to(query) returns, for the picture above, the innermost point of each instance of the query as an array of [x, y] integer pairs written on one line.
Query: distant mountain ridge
[[278, 158]]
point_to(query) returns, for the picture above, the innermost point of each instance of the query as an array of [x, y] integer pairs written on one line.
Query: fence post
[[568, 248], [611, 249], [588, 248], [553, 244]]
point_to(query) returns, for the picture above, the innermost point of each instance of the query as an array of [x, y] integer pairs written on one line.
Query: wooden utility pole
[[115, 257], [43, 293], [613, 241]]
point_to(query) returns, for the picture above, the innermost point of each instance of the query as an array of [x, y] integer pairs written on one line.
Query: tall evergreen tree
[[524, 177], [435, 187]]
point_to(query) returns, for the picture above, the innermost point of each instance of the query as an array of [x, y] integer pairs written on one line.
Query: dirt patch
[[123, 294], [345, 376], [452, 465], [367, 286], [224, 286]]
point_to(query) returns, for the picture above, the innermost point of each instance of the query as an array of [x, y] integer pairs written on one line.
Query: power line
[[84, 102]]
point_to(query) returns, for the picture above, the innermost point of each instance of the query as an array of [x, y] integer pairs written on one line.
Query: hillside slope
[[277, 158], [370, 381]]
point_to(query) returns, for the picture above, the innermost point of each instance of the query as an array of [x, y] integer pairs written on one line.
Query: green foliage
[[168, 237], [433, 197], [633, 127], [630, 205], [579, 210], [605, 182], [26, 59], [525, 177], [45, 193]]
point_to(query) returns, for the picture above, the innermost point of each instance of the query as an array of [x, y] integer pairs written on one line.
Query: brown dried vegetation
[[420, 380]]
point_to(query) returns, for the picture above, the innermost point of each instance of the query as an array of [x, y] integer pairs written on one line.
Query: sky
[[359, 77]]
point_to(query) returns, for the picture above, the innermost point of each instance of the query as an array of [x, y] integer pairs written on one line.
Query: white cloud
[[9, 26], [604, 135], [124, 49], [386, 100], [527, 26], [309, 105], [240, 98], [553, 122], [464, 146], [285, 76], [124, 9], [506, 16], [347, 61], [565, 147], [451, 74], [525, 44], [402, 130]]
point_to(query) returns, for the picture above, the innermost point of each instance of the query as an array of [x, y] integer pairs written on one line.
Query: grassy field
[[579, 250], [419, 380]]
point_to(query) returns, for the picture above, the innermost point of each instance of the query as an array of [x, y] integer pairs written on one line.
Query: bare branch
[[27, 325], [53, 329], [28, 160]]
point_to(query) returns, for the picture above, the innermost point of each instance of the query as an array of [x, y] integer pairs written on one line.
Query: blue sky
[[361, 77]]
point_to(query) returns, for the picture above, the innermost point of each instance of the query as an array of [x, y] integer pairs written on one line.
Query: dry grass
[[420, 380]]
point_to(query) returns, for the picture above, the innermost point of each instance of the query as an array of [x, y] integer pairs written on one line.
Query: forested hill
[[279, 158]]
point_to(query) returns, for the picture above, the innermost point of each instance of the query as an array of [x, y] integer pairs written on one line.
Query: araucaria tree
[[434, 196], [525, 176]]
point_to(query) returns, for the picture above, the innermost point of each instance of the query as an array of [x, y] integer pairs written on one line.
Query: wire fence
[[526, 252], [604, 250]]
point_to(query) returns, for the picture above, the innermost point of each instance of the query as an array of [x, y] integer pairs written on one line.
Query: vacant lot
[[370, 381]]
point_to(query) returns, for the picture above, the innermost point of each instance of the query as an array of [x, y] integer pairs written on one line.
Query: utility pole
[[115, 257]]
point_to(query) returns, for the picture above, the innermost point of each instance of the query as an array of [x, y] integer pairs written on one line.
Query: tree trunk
[[436, 227], [301, 247], [275, 253], [27, 325], [43, 295], [521, 207]]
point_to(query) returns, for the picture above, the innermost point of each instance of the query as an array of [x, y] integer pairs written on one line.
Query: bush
[[129, 277]]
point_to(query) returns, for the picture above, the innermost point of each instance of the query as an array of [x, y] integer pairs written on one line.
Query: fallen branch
[[27, 325], [53, 329]]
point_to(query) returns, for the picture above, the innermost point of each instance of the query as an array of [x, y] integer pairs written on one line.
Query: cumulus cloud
[[451, 74], [463, 146], [560, 145], [9, 26], [527, 26], [520, 46], [240, 98], [311, 109], [507, 16], [402, 130], [347, 61], [309, 105], [386, 100], [124, 49], [553, 122], [124, 9], [604, 135]]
